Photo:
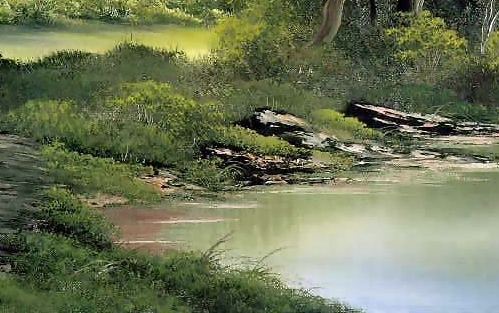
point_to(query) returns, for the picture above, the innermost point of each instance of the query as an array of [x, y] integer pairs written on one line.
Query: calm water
[[417, 247], [20, 42]]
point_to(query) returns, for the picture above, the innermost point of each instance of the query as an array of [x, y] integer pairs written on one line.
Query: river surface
[[28, 43], [421, 246]]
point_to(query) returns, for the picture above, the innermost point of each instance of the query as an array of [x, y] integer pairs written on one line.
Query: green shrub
[[233, 32], [240, 102], [142, 122], [153, 103], [33, 11], [7, 15], [428, 46], [209, 287], [209, 173], [126, 281], [64, 214], [478, 80], [56, 274], [50, 120], [336, 124], [88, 174], [252, 48], [429, 99], [250, 141]]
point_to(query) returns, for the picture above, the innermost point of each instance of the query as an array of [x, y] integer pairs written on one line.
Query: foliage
[[79, 76], [492, 54], [143, 122], [250, 141], [255, 46], [63, 213], [88, 174], [478, 82], [210, 174], [429, 99], [245, 97], [342, 127], [339, 161], [427, 45], [132, 11], [56, 274]]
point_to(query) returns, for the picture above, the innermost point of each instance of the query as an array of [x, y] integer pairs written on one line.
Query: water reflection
[[408, 248]]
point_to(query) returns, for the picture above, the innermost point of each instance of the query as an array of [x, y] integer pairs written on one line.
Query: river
[[28, 43], [418, 246]]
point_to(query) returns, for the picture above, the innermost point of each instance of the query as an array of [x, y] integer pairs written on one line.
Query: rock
[[288, 127], [6, 268], [299, 133], [385, 118]]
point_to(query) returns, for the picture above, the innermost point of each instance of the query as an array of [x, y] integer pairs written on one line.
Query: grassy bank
[[162, 111], [107, 119], [103, 124], [70, 263]]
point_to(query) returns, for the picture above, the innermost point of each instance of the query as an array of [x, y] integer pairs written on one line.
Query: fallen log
[[381, 117]]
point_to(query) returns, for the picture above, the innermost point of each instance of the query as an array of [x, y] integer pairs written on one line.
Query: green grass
[[90, 175], [342, 127]]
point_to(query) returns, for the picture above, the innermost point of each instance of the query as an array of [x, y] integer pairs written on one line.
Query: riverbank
[[136, 125], [71, 260]]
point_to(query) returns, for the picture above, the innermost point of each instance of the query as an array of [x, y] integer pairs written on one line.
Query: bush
[[429, 99], [250, 141], [48, 12], [427, 46], [32, 11], [56, 274], [143, 122], [64, 214], [342, 127], [253, 47], [240, 102], [80, 76], [88, 174], [210, 174]]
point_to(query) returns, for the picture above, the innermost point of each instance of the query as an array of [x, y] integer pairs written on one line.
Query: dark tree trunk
[[404, 5], [373, 14]]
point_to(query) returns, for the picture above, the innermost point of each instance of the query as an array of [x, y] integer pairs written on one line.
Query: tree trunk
[[404, 5], [331, 21], [373, 13]]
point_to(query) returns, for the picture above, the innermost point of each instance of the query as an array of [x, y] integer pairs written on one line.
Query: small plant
[[336, 124], [209, 173], [250, 141]]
